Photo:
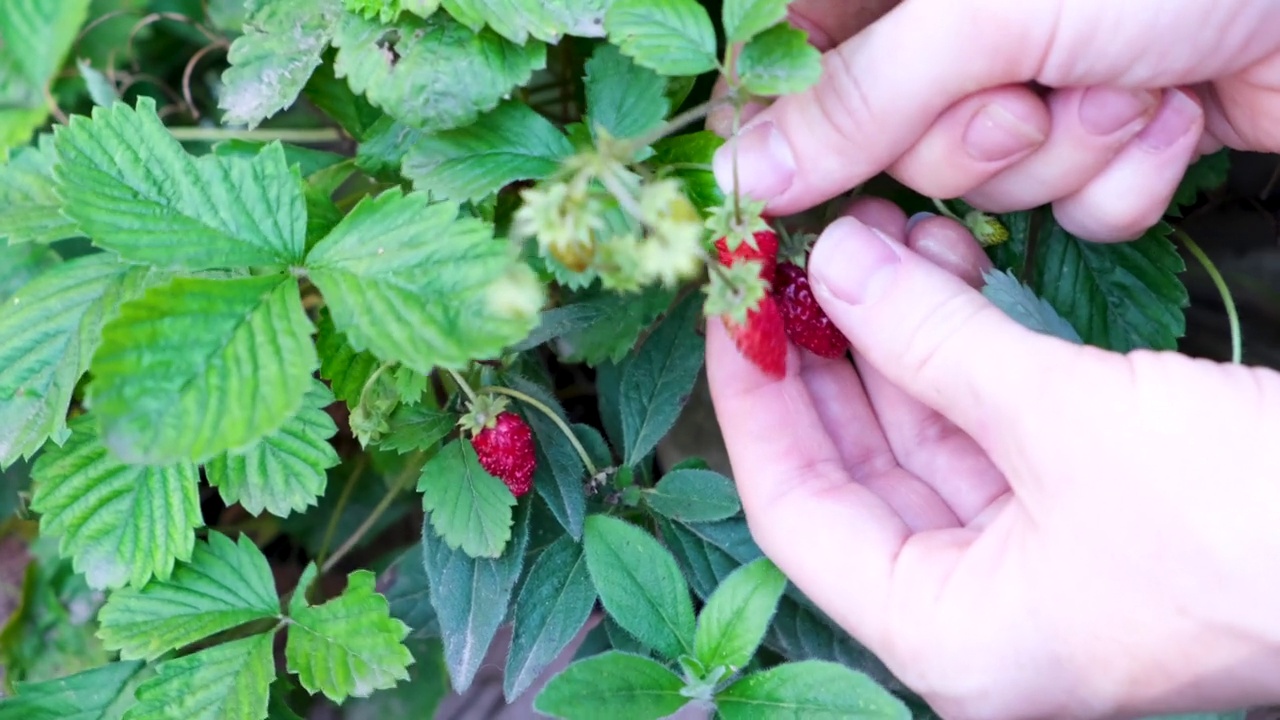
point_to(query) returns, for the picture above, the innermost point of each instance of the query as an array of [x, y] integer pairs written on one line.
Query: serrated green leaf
[[672, 37], [132, 188], [558, 321], [455, 292], [658, 379], [737, 615], [811, 689], [692, 154], [509, 143], [225, 584], [623, 98], [51, 328], [346, 369], [619, 321], [20, 264], [418, 427], [560, 474], [202, 366], [282, 44], [616, 685], [639, 584], [553, 606], [412, 68], [30, 210], [478, 597], [517, 20], [744, 19], [467, 507], [385, 145], [694, 496], [86, 695], [350, 645], [779, 61], [225, 682], [310, 161], [285, 471], [1022, 304], [119, 523]]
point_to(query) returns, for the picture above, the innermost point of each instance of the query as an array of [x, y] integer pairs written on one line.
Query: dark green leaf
[[619, 320], [409, 594], [84, 696], [385, 145], [737, 615], [623, 98], [418, 427], [694, 496], [779, 61], [560, 474], [1206, 174], [620, 639], [419, 697], [334, 97], [346, 369], [657, 379], [1021, 303], [558, 321], [744, 19], [612, 685], [673, 37], [812, 689], [691, 154]]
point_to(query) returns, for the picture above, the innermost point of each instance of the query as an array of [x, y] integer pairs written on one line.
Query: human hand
[[1018, 526], [936, 93]]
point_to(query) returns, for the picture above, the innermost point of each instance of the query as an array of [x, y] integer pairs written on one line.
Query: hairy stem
[[555, 418], [1233, 318], [412, 468], [289, 135], [697, 112], [942, 208], [362, 462], [463, 385]]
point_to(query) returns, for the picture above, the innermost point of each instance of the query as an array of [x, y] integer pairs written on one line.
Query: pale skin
[[1020, 527]]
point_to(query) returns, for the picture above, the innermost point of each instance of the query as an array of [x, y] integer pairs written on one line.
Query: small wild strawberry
[[765, 250], [807, 324], [763, 338], [503, 442]]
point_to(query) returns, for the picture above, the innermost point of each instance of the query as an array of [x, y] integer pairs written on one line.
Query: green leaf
[[420, 697], [737, 615], [335, 99], [350, 645], [615, 685], [1020, 302], [282, 45], [623, 98], [225, 584], [346, 369], [101, 90], [20, 264], [285, 471], [467, 507], [558, 321], [409, 594], [658, 379], [560, 474], [35, 36], [225, 682], [202, 366], [17, 125], [478, 595], [552, 608], [640, 584], [1206, 174], [405, 68], [779, 61], [51, 328], [1120, 296], [811, 689], [86, 695], [517, 20], [692, 153], [119, 523], [131, 187], [694, 496], [744, 19], [454, 291], [384, 147], [672, 37], [418, 427], [30, 210], [509, 143], [620, 319]]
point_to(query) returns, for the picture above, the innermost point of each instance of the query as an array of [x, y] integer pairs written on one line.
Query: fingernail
[[1178, 116], [852, 262], [766, 166], [1106, 110], [995, 134], [918, 218]]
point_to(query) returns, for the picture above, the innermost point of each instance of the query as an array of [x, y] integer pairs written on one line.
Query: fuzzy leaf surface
[[132, 188], [694, 496], [467, 507], [613, 684], [737, 615], [456, 293], [672, 37], [286, 471], [120, 524], [226, 583], [1022, 304], [30, 210], [658, 379], [202, 366], [810, 689], [231, 681]]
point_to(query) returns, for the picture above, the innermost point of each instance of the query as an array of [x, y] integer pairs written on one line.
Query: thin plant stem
[[361, 463], [942, 208], [402, 480], [555, 418], [1233, 317], [463, 385], [697, 112], [300, 136]]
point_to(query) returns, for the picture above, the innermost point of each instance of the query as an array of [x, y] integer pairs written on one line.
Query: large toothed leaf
[[673, 37], [50, 329], [350, 645], [467, 507], [119, 523], [87, 695], [415, 283], [271, 62], [135, 191], [285, 471], [623, 98], [433, 74], [225, 584], [517, 20], [202, 366], [779, 61], [510, 143], [231, 681], [30, 210]]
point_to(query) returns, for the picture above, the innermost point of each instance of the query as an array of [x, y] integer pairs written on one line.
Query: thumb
[[930, 333]]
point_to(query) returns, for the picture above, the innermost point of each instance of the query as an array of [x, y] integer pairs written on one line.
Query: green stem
[[1233, 318], [361, 463], [555, 418], [301, 136], [942, 208], [462, 385], [697, 112], [411, 469]]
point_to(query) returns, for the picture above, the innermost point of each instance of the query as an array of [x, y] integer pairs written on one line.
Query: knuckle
[[841, 101], [931, 341]]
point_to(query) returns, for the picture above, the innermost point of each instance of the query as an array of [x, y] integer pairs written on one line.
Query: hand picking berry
[[763, 338], [806, 323], [503, 442]]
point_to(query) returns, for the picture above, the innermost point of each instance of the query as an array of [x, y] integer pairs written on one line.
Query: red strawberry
[[763, 339], [807, 324], [766, 251], [505, 449]]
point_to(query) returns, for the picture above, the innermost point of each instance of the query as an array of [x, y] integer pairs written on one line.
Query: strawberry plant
[[336, 335]]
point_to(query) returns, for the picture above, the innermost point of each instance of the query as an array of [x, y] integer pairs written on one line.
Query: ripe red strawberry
[[763, 339], [505, 449], [807, 324], [766, 251]]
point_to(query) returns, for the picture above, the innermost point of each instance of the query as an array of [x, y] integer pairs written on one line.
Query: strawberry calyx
[[482, 413]]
